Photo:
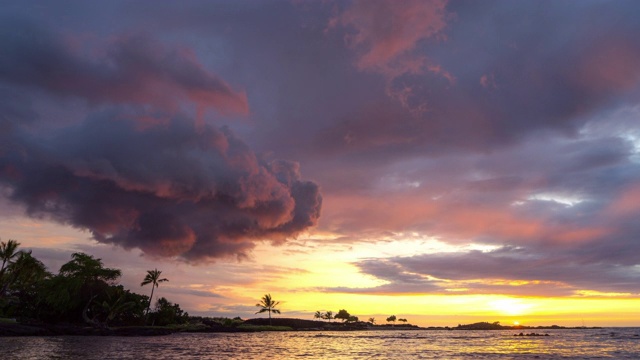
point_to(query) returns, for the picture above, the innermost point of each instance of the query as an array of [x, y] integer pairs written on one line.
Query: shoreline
[[12, 329]]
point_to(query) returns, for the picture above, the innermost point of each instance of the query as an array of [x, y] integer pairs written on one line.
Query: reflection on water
[[573, 344]]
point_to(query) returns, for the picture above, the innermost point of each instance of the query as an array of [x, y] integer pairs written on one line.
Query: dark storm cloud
[[137, 173], [172, 190], [516, 68], [472, 76], [130, 69]]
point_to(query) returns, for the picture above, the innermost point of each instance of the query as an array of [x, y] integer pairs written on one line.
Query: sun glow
[[511, 307]]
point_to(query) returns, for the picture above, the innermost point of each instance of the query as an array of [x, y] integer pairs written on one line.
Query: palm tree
[[7, 253], [328, 315], [318, 315], [153, 278], [25, 273], [269, 305], [372, 321]]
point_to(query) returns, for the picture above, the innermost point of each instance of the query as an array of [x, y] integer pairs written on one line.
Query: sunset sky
[[442, 161]]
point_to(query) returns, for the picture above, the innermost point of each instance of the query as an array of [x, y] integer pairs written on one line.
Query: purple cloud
[[128, 70], [171, 190], [135, 172]]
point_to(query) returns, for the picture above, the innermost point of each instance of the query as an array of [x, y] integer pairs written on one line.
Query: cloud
[[569, 202], [130, 69], [385, 33], [470, 122], [506, 270], [512, 78], [387, 37], [133, 169], [193, 292], [170, 190]]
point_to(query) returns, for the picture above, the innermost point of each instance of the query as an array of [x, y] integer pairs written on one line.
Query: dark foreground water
[[616, 343]]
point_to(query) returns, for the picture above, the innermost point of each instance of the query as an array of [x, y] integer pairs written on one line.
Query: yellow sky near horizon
[[302, 279]]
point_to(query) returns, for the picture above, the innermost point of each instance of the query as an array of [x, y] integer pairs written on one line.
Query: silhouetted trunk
[[150, 297]]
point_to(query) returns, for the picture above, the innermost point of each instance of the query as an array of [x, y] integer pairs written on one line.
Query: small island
[[497, 326]]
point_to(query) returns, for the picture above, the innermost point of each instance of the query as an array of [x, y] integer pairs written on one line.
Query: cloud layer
[[508, 126]]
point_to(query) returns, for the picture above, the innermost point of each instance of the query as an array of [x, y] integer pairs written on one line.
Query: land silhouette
[[84, 298]]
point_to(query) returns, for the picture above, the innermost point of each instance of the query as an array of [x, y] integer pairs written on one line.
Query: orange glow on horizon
[[308, 281]]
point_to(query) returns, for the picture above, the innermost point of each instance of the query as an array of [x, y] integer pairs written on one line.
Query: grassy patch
[[7, 321]]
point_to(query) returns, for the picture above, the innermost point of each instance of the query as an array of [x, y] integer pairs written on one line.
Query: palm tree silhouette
[[7, 253], [318, 315], [153, 278], [269, 305], [328, 315], [25, 272]]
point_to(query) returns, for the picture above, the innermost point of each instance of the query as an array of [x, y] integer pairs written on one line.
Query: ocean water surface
[[614, 343]]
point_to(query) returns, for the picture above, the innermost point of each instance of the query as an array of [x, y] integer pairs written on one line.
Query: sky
[[442, 161]]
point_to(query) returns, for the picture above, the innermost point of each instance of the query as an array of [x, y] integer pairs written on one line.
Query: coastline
[[10, 329]]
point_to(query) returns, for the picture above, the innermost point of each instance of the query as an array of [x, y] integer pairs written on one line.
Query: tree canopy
[[267, 304], [342, 315], [83, 291]]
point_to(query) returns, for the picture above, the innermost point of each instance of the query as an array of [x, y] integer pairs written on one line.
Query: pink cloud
[[626, 203], [386, 36], [453, 222], [152, 73], [124, 70], [610, 65], [385, 31], [488, 81]]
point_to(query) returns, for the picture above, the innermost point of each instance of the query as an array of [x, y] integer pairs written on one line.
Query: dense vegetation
[[83, 291]]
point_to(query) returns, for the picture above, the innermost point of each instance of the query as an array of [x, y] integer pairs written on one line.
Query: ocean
[[613, 343]]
